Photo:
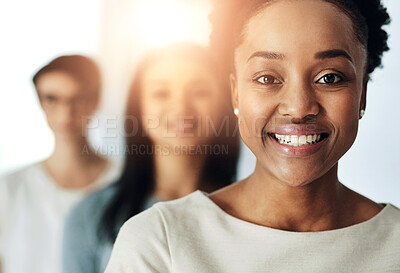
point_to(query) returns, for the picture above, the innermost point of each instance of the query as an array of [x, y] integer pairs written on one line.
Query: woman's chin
[[298, 177], [182, 146]]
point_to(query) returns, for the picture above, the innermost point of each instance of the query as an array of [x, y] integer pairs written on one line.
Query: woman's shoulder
[[195, 200], [169, 211], [169, 217], [188, 211], [391, 216], [151, 230], [93, 205], [385, 228], [98, 198]]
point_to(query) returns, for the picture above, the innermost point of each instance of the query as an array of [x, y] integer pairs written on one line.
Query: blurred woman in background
[[180, 136], [34, 200]]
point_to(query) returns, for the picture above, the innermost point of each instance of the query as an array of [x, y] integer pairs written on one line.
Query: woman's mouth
[[182, 126], [298, 140], [298, 145]]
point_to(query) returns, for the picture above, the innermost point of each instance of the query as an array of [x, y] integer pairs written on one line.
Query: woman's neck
[[300, 208], [177, 175], [323, 204]]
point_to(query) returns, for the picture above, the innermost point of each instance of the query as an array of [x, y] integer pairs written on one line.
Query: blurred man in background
[[35, 199]]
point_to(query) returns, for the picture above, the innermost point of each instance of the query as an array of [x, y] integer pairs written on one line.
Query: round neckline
[[239, 221], [96, 183]]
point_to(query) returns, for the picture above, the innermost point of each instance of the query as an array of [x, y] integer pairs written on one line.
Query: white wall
[[371, 166], [33, 33]]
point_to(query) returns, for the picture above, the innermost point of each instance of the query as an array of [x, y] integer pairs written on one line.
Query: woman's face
[[65, 104], [181, 102], [299, 86]]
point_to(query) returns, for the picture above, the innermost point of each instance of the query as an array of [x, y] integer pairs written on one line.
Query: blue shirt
[[83, 251]]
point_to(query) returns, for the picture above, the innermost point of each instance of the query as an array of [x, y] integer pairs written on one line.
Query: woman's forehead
[[300, 27], [303, 20], [176, 68]]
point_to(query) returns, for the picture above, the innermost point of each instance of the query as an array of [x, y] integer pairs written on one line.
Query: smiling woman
[[314, 88], [299, 73]]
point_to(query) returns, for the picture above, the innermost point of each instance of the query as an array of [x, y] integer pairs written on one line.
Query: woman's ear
[[363, 102], [234, 91]]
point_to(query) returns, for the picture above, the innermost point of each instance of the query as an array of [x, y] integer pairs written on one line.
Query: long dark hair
[[137, 181]]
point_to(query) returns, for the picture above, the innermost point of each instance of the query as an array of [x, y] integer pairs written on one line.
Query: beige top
[[193, 234]]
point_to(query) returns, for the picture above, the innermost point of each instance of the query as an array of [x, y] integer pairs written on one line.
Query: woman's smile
[[297, 140], [297, 145], [182, 126]]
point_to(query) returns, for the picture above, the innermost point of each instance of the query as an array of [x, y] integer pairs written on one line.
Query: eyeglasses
[[51, 102]]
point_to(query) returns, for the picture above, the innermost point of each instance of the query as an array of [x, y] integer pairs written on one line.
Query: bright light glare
[[161, 22]]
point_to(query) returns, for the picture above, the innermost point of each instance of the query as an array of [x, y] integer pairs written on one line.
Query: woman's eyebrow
[[333, 53], [267, 55], [326, 54]]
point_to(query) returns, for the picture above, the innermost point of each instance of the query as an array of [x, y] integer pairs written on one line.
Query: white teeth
[[295, 140], [302, 140]]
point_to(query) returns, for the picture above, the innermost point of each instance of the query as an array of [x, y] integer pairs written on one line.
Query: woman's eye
[[330, 79], [268, 79]]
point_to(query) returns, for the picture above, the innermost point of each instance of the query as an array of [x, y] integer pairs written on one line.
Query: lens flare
[[161, 22]]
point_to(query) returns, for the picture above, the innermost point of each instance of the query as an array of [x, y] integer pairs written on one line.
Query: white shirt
[[193, 235], [33, 208]]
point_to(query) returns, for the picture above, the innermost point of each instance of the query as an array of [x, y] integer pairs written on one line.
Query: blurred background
[[116, 33]]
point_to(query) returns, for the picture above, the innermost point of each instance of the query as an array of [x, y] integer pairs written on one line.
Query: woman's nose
[[298, 101]]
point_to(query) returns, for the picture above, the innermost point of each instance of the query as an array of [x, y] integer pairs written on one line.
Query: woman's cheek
[[343, 113], [253, 115]]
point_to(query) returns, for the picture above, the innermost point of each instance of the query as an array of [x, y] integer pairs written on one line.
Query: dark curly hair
[[368, 16]]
